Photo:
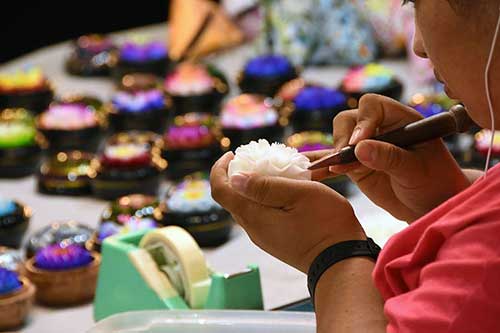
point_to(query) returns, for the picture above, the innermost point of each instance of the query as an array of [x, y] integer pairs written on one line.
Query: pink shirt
[[442, 273]]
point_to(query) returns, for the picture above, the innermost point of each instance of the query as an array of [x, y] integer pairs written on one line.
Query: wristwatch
[[336, 253]]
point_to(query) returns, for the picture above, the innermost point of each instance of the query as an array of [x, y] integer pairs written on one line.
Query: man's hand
[[292, 220], [407, 183]]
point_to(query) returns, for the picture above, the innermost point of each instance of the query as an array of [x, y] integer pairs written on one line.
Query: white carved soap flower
[[265, 159]]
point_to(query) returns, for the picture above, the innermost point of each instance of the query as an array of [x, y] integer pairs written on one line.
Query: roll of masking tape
[[149, 271], [178, 255]]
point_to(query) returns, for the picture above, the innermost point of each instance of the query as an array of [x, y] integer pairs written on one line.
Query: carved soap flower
[[270, 160], [139, 101], [126, 155], [189, 79], [27, 79], [68, 117], [483, 141], [140, 50], [9, 281], [58, 257]]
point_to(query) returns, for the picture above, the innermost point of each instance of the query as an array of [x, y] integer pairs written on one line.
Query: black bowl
[[157, 67], [315, 120], [262, 85], [204, 103], [60, 174], [393, 90], [67, 232], [240, 137], [86, 139], [111, 183], [87, 66], [13, 226], [151, 120], [184, 162], [19, 162], [36, 101], [211, 228]]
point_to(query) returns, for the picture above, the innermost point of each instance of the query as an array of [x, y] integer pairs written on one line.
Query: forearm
[[346, 299], [473, 175]]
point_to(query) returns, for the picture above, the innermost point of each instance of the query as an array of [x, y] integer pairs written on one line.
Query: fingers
[[343, 126], [342, 169], [322, 174], [218, 174], [234, 202], [221, 188], [276, 192], [376, 112], [382, 156]]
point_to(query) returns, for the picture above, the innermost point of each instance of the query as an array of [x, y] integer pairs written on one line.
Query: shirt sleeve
[[458, 290]]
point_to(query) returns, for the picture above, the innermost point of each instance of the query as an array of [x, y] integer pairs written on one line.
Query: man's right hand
[[407, 183]]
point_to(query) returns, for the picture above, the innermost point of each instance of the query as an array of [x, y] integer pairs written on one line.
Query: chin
[[481, 116]]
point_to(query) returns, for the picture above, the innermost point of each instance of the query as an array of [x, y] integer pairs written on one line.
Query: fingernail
[[366, 153], [355, 135], [239, 182]]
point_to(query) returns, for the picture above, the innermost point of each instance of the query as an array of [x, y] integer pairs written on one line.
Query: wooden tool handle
[[454, 121], [438, 126]]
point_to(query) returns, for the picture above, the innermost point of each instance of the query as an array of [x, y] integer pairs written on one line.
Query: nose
[[418, 44]]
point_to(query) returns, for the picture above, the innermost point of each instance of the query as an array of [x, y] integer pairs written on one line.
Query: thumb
[[276, 192], [386, 157]]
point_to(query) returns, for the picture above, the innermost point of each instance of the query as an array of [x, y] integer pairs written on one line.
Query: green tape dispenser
[[165, 269]]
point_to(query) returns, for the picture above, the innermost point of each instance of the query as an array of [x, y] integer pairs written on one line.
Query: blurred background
[[90, 126], [29, 25]]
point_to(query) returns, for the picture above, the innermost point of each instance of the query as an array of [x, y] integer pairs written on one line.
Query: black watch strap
[[336, 253]]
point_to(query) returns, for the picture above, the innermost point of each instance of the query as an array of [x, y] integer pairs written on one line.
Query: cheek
[[443, 43], [454, 49]]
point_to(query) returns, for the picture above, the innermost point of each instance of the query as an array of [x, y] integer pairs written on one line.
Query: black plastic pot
[[34, 101], [240, 137], [264, 85], [19, 162], [211, 228], [13, 226]]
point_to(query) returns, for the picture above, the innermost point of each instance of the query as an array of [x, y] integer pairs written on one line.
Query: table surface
[[281, 283]]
